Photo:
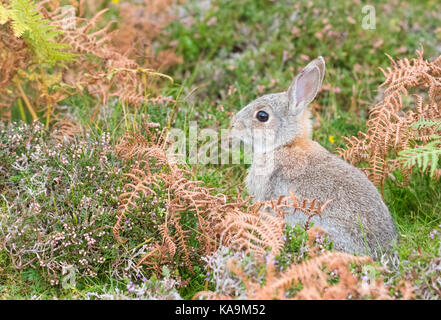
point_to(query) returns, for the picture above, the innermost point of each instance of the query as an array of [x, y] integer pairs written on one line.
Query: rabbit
[[285, 159]]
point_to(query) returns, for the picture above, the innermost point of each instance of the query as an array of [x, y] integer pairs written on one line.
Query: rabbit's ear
[[306, 85]]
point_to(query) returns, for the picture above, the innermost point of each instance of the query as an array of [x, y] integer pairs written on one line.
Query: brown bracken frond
[[222, 220], [100, 67], [111, 73], [389, 128], [313, 276], [257, 229], [140, 24], [65, 129]]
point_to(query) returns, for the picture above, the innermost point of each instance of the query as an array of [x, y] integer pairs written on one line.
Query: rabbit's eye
[[262, 116]]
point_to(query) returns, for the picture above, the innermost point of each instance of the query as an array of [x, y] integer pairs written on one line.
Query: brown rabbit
[[285, 158]]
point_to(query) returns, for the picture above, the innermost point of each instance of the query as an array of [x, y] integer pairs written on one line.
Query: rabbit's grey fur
[[357, 220]]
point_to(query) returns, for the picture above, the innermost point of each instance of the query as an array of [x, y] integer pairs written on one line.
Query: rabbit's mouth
[[240, 133]]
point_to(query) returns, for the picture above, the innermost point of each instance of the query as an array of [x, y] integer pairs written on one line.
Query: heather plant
[[59, 200], [296, 247], [320, 274], [52, 217], [225, 282], [152, 289], [428, 283], [422, 270]]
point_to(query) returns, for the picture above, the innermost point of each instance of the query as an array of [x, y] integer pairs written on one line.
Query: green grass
[[248, 50]]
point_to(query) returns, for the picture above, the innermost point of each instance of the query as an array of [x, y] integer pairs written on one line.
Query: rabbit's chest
[[258, 184]]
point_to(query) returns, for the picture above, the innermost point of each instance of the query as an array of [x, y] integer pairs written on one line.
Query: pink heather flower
[[401, 49], [131, 287], [260, 88], [378, 43], [285, 56], [295, 31], [326, 28], [351, 20], [211, 21]]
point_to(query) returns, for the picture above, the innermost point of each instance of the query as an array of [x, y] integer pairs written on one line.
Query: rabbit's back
[[356, 219]]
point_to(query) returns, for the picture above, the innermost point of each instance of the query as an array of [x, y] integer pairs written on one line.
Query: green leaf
[[5, 14], [423, 156], [434, 163], [29, 23]]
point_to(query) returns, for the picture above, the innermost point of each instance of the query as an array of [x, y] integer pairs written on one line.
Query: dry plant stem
[[47, 100], [21, 109], [173, 113], [26, 100]]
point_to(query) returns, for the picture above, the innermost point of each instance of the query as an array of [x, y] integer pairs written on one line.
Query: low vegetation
[[92, 206]]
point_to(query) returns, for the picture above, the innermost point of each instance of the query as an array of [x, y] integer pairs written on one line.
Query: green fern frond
[[424, 123], [41, 36], [424, 156], [5, 14]]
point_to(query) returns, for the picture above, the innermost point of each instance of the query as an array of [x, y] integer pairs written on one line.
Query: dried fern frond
[[111, 74], [65, 130], [313, 277], [140, 186], [222, 220], [395, 125], [256, 232], [133, 145], [310, 208], [140, 24]]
